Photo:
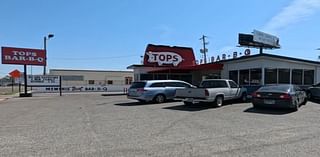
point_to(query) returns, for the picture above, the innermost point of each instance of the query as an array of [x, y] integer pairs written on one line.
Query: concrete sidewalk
[[5, 97], [113, 93]]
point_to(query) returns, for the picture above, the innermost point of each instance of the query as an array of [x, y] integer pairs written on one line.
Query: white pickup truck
[[212, 91]]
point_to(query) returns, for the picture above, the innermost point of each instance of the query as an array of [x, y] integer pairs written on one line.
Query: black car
[[313, 92], [279, 96]]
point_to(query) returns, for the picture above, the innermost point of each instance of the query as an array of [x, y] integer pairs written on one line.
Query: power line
[[96, 58]]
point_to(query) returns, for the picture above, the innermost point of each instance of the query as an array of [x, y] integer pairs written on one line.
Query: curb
[[114, 94], [3, 99]]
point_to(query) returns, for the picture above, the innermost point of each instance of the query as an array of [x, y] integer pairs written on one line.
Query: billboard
[[265, 38], [24, 56], [43, 80]]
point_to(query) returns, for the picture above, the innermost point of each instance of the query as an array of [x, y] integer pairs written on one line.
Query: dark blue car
[[279, 96]]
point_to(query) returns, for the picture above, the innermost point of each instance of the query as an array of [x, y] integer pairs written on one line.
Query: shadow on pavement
[[191, 108], [271, 111], [197, 106], [317, 101], [142, 103], [133, 104]]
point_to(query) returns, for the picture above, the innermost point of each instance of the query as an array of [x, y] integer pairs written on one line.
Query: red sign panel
[[15, 73], [160, 55], [13, 55]]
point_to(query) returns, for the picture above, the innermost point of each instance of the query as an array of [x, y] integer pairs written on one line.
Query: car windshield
[[138, 85], [281, 88]]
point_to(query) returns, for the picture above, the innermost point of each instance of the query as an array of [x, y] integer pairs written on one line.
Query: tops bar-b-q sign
[[25, 56]]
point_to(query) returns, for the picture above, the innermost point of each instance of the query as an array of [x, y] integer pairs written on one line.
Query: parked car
[[213, 91], [279, 96], [313, 92], [157, 91]]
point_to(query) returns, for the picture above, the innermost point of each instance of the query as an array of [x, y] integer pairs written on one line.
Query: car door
[[299, 93], [234, 89], [156, 88], [224, 88], [170, 89]]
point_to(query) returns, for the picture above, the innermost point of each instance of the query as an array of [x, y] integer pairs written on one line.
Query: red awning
[[186, 69]]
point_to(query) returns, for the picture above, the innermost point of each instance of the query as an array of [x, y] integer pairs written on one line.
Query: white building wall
[[99, 77]]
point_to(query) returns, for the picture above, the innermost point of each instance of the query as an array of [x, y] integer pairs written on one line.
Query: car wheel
[[219, 101], [304, 101], [296, 106], [160, 98], [309, 95]]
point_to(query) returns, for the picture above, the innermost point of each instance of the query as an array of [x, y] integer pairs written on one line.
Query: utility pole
[[204, 50]]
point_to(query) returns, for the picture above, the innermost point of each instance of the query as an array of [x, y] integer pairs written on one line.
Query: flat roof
[[86, 70], [271, 56]]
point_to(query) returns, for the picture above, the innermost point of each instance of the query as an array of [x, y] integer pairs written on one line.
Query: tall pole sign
[[23, 56]]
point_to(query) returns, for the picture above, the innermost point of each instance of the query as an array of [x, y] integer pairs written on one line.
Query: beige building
[[94, 79]]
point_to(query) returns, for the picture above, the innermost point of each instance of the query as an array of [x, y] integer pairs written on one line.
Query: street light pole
[[45, 38]]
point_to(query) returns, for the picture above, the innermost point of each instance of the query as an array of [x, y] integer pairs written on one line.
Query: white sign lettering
[[43, 80], [164, 58]]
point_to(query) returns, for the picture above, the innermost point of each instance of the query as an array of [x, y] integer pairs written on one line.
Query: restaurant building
[[166, 62]]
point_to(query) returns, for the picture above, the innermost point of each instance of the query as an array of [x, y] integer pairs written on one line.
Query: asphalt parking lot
[[95, 125]]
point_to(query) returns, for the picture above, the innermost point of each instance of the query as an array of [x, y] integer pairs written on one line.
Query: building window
[[128, 80], [233, 75], [91, 82], [297, 76], [308, 77], [255, 76], [244, 77], [284, 76], [146, 76], [160, 77], [72, 78], [270, 76], [110, 82]]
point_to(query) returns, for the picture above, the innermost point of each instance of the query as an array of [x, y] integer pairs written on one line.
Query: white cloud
[[295, 12]]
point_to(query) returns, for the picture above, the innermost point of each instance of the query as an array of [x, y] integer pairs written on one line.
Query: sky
[[113, 34]]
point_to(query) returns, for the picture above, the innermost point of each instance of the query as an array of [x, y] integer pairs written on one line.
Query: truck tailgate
[[191, 93]]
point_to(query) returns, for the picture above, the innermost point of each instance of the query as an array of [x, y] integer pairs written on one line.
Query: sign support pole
[[25, 79], [60, 84], [25, 94], [12, 84]]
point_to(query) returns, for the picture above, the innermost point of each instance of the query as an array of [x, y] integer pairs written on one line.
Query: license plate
[[269, 101]]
